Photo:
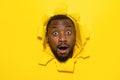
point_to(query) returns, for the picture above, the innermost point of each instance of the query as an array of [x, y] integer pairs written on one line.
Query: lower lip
[[62, 51]]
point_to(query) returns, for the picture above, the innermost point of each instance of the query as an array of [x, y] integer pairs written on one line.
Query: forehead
[[63, 22]]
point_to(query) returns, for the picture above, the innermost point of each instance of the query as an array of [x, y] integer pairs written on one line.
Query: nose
[[62, 38]]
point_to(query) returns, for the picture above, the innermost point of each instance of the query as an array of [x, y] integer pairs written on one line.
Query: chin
[[63, 58]]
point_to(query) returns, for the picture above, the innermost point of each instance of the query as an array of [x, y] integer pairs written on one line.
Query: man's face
[[61, 37]]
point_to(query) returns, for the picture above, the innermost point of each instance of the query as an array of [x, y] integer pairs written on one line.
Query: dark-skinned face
[[61, 37]]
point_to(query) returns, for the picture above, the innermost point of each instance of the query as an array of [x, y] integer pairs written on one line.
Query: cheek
[[71, 39], [53, 40]]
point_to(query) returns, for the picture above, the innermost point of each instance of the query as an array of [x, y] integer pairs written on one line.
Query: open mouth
[[63, 49]]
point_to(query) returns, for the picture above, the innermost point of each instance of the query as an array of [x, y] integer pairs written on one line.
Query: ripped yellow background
[[19, 47]]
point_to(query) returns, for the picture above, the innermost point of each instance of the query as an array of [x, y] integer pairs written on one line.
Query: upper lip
[[63, 46]]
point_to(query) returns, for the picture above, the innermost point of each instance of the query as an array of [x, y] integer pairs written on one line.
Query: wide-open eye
[[55, 33], [68, 32]]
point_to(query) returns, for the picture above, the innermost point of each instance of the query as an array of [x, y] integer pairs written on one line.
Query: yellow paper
[[20, 49]]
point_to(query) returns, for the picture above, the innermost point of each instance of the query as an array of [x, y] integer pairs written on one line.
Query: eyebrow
[[54, 26], [69, 25]]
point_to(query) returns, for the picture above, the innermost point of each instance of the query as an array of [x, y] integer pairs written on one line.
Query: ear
[[46, 38], [45, 41]]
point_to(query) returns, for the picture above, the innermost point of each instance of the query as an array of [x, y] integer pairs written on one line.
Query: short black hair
[[58, 17]]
